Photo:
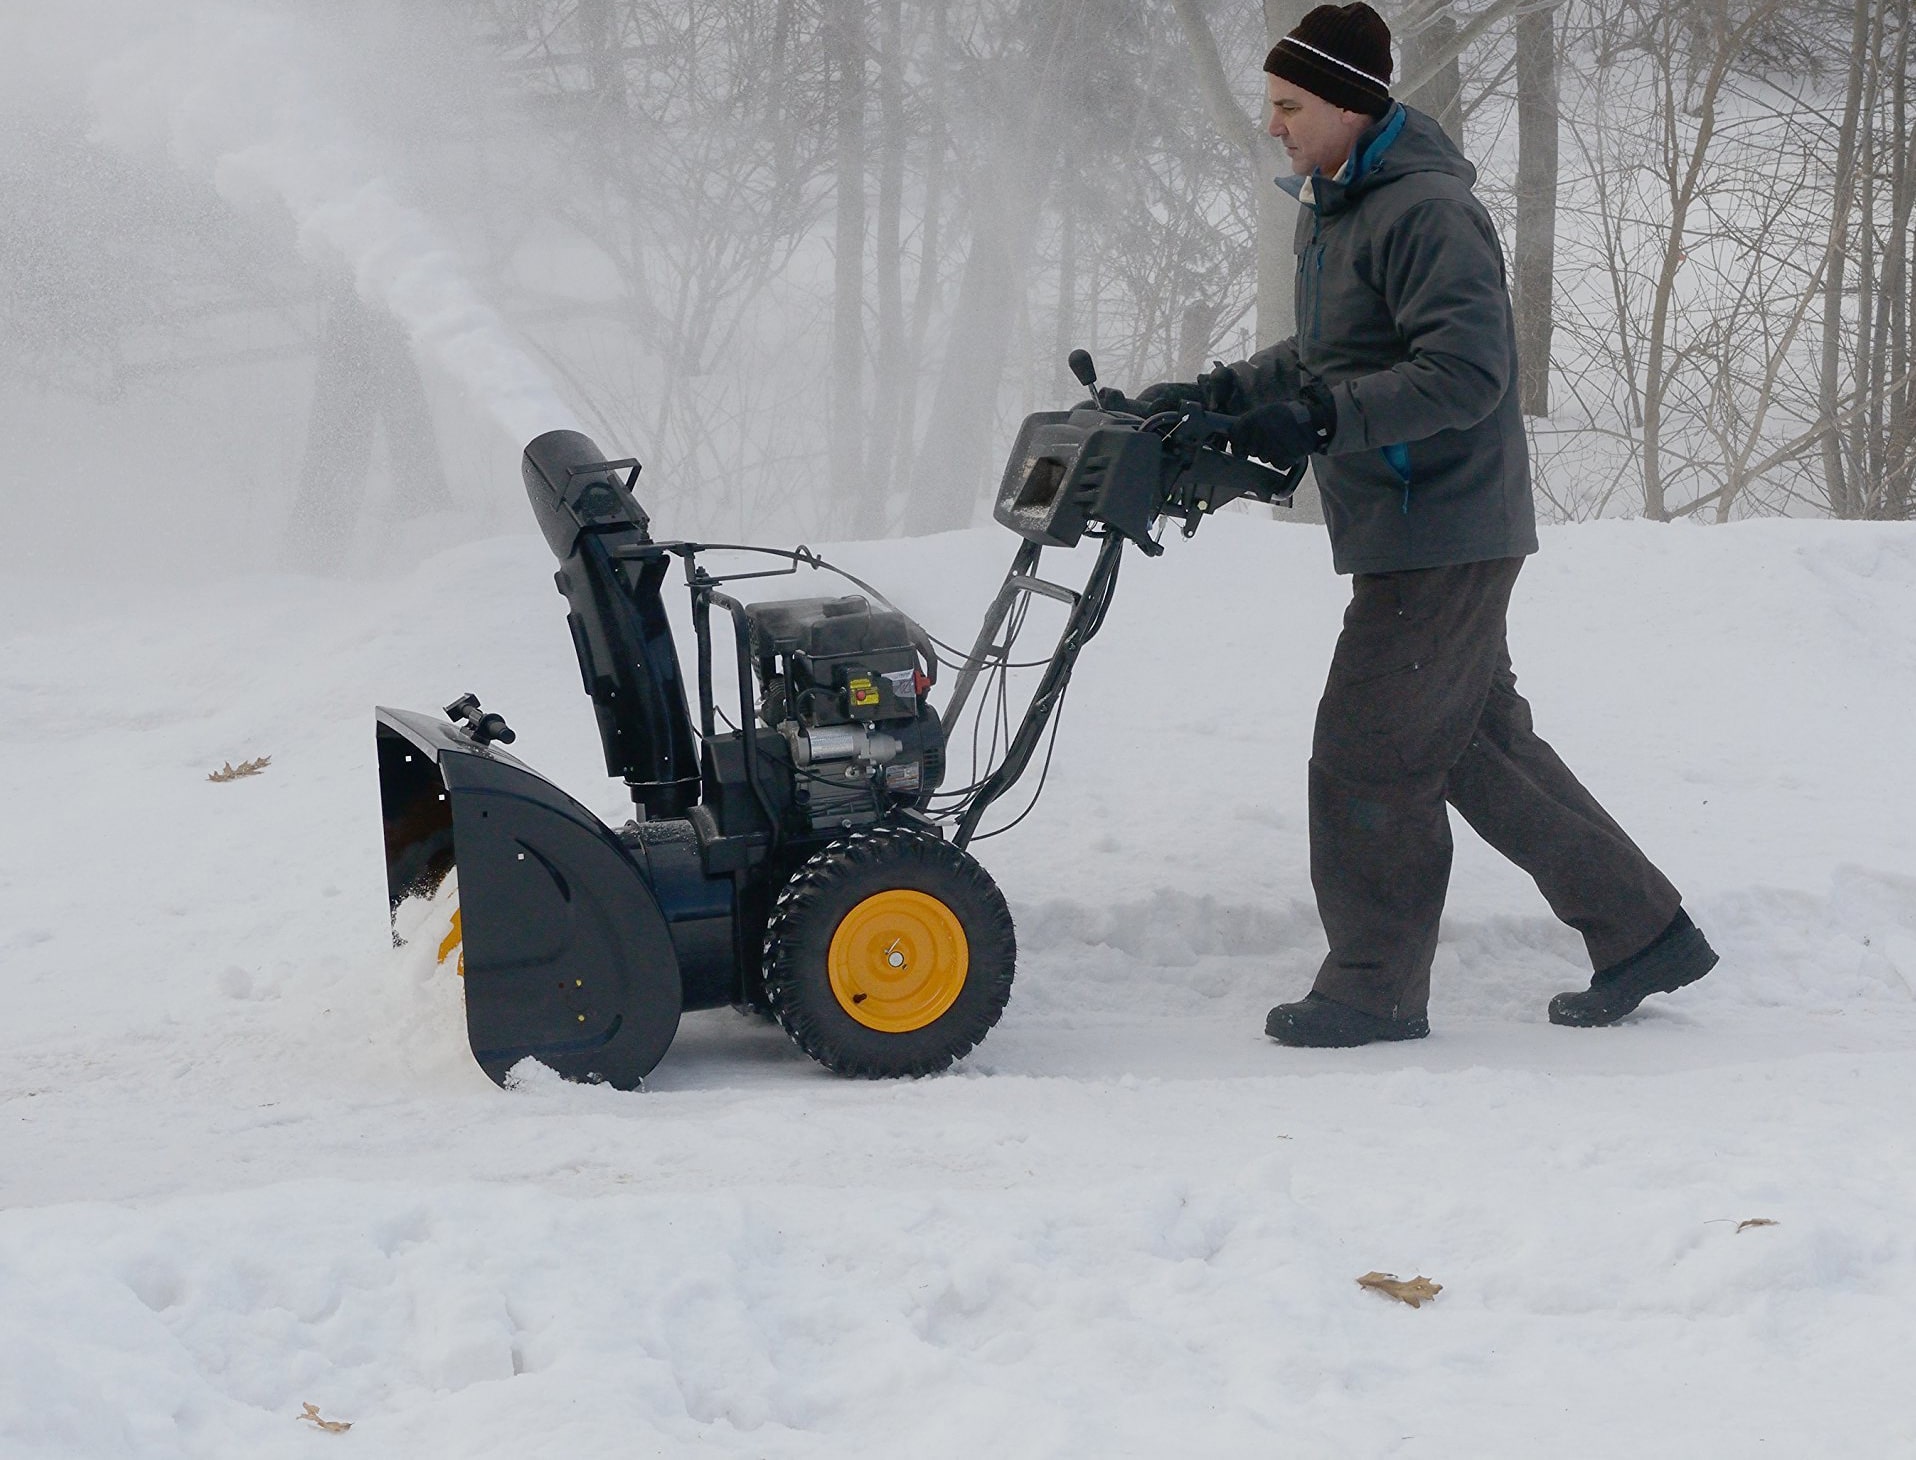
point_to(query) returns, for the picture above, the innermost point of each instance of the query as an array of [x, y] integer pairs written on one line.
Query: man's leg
[[1521, 798], [1407, 687]]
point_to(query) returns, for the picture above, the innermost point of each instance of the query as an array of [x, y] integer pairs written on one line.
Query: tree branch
[[1226, 115]]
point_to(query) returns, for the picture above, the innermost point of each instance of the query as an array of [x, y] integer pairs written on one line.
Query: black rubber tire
[[816, 900]]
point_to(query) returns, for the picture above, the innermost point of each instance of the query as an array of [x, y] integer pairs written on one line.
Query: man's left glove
[[1166, 395], [1286, 431], [1170, 395], [1110, 398]]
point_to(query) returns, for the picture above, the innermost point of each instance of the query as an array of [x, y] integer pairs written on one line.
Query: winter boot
[[1315, 1022], [1679, 955]]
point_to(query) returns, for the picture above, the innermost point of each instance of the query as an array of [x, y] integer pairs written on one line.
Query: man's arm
[[1269, 376], [1443, 281]]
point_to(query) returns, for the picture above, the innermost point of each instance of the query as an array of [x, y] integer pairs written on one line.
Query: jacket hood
[[1401, 142]]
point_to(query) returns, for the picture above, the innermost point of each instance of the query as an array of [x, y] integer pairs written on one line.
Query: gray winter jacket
[[1404, 315]]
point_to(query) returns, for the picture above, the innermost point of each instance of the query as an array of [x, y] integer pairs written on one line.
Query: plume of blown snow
[[231, 94]]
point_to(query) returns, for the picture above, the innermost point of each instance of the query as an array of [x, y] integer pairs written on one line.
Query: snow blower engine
[[802, 860]]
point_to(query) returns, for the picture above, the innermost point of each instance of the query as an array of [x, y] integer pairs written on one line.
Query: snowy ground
[[246, 1164]]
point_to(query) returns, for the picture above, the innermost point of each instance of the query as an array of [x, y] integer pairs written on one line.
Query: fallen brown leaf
[[231, 772], [1417, 1291], [1757, 1222], [331, 1426]]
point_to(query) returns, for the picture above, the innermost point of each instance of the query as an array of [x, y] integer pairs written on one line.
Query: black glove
[[1216, 390], [1169, 395], [1286, 432], [1221, 391]]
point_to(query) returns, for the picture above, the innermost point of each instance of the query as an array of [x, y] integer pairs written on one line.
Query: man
[[1401, 383]]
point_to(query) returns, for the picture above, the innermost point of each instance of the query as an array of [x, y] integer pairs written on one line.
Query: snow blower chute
[[808, 866]]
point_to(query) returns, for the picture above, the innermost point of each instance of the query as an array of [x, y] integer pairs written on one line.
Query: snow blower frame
[[800, 862]]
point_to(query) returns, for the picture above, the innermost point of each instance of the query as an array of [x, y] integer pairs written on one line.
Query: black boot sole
[[1678, 958], [1320, 1024]]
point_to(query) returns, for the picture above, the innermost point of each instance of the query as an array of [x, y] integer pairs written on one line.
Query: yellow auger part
[[454, 939], [898, 961]]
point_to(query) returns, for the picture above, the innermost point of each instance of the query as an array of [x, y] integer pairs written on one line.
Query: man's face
[[1316, 135]]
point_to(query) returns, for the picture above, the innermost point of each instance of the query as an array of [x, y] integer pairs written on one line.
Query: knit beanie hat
[[1341, 53]]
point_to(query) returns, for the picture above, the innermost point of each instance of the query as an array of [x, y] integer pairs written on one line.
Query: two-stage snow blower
[[804, 864]]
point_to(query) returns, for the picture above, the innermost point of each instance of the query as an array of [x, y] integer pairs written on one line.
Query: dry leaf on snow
[[1417, 1291], [231, 772], [331, 1426], [1756, 1222]]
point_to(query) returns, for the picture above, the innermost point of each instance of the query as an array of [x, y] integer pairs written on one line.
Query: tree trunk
[[1866, 450], [1064, 338], [605, 67], [1688, 159], [1683, 194], [1899, 304], [1276, 209], [964, 409], [890, 261], [1276, 212], [339, 438], [848, 285], [1534, 277], [1007, 200], [1842, 501], [930, 258], [775, 125], [365, 378], [1430, 44], [1197, 324]]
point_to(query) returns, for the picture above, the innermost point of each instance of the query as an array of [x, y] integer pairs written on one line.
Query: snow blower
[[802, 861]]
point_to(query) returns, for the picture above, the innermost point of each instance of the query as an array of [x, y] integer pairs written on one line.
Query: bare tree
[[1263, 158], [933, 202], [1534, 258], [1844, 496], [932, 232], [1896, 339], [1006, 189], [888, 421], [848, 423], [366, 384], [1427, 36], [699, 140]]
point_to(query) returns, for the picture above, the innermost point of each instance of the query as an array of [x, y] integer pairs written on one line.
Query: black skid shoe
[[1315, 1022], [1680, 955]]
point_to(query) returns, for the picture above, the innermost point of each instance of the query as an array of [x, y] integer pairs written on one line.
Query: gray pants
[[1421, 708]]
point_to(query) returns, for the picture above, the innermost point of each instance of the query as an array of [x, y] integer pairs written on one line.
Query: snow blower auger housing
[[805, 865]]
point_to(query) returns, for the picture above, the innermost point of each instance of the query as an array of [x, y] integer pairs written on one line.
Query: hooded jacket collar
[[1401, 141]]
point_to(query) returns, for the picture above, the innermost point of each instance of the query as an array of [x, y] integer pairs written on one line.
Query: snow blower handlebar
[[1074, 472], [1092, 472]]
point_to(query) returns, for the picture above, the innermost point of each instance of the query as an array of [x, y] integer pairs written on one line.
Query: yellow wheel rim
[[898, 961]]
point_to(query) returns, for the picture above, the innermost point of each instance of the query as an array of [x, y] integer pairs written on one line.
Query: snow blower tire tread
[[816, 900]]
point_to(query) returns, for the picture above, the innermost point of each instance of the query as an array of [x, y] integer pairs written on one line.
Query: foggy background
[[288, 285]]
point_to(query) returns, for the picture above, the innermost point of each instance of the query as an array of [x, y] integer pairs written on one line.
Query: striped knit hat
[[1341, 53]]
